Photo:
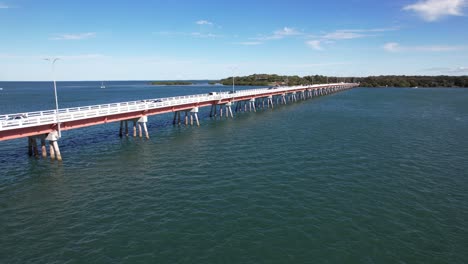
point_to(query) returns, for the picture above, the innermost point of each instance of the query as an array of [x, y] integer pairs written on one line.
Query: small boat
[[102, 85], [1, 89]]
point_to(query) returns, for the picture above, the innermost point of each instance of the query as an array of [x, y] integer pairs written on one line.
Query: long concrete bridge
[[47, 125]]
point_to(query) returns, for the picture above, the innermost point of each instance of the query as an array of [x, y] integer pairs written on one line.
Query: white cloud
[[315, 44], [78, 36], [345, 34], [203, 22], [287, 31], [433, 10], [281, 33], [62, 57], [395, 47], [448, 70], [187, 34], [203, 35], [250, 43], [391, 47], [337, 35]]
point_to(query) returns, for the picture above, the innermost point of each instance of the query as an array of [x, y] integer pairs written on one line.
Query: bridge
[[48, 125]]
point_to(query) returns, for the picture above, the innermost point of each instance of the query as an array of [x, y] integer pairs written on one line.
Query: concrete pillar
[[51, 150], [194, 111], [34, 146], [229, 110], [175, 118], [126, 128], [211, 111], [196, 119], [142, 121], [52, 137], [57, 151], [146, 130], [30, 149], [252, 105], [43, 147]]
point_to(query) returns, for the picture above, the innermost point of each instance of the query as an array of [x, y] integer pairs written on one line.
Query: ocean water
[[361, 176]]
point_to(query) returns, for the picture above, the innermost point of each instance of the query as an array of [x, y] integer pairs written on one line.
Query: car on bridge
[[14, 120]]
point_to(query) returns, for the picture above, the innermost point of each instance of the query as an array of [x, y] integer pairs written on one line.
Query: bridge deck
[[35, 123]]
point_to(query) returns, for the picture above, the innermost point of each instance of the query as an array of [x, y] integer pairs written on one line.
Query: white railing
[[19, 120]]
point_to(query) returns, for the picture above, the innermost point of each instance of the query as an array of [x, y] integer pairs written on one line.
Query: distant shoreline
[[171, 83]]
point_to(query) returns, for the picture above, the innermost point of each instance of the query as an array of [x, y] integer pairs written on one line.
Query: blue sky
[[164, 40]]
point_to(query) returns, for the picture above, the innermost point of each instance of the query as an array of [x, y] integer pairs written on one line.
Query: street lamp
[[52, 62], [233, 83], [233, 68]]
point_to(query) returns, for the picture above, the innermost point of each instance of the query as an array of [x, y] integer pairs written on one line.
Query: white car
[[14, 120]]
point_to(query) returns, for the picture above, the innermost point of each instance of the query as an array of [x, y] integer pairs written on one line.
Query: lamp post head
[[52, 60]]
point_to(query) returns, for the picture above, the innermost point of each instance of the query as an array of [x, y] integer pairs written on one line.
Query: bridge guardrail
[[12, 121]]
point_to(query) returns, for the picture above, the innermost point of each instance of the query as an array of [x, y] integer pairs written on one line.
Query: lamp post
[[233, 83], [52, 62], [233, 69]]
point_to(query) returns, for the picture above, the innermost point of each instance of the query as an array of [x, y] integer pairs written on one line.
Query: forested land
[[371, 81]]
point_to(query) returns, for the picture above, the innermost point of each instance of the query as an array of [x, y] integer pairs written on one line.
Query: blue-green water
[[362, 176]]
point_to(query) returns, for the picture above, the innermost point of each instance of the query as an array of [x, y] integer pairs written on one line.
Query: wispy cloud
[[204, 35], [337, 35], [396, 47], [187, 34], [203, 22], [392, 47], [433, 10], [344, 34], [78, 36], [448, 70], [315, 44], [280, 34], [63, 57], [249, 43]]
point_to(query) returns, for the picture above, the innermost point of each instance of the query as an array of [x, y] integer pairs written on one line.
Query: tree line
[[371, 81]]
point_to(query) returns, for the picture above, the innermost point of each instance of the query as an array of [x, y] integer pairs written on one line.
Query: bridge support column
[[194, 113], [43, 147], [213, 110], [175, 118], [143, 120], [126, 128], [52, 137], [229, 110], [32, 147], [270, 101], [220, 111], [252, 105]]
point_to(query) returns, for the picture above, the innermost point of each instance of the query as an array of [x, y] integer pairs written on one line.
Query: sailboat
[[102, 85]]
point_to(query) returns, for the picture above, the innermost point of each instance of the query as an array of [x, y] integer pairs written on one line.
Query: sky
[[195, 40]]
